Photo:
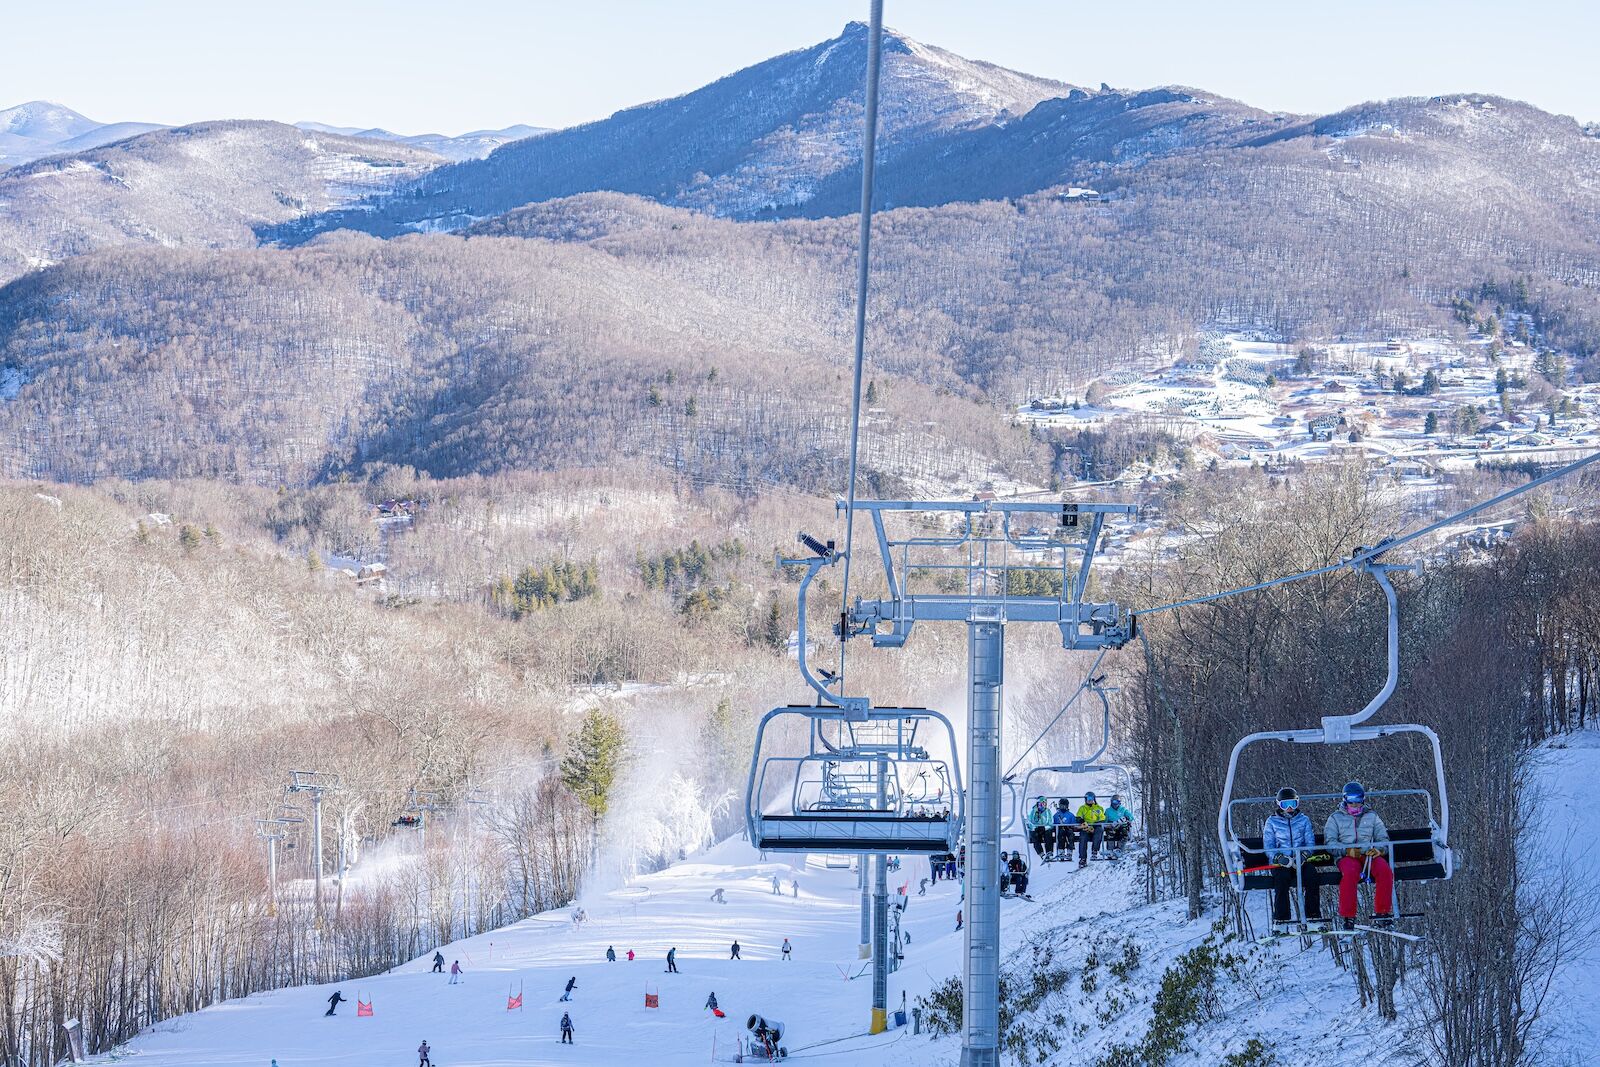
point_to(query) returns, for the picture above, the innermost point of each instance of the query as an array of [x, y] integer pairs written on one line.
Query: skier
[[922, 887], [455, 971], [935, 867], [438, 963], [1119, 825], [611, 954], [1286, 838], [630, 955], [958, 920], [794, 887], [711, 1001], [1019, 874], [1091, 823], [570, 983], [566, 1029], [1062, 820], [1361, 833], [777, 887], [787, 948], [735, 953], [719, 897], [1005, 872], [672, 960], [1039, 827], [335, 1000], [422, 1055]]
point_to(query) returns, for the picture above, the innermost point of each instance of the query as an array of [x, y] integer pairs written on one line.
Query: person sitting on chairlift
[[1039, 827], [1362, 835], [1091, 828], [1064, 820], [1119, 825], [1285, 834]]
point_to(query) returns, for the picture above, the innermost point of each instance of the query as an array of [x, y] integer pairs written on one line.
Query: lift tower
[[992, 563]]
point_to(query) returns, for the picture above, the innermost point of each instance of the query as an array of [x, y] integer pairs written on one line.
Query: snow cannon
[[766, 1033]]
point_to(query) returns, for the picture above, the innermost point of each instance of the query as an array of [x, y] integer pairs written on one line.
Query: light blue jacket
[[1038, 816], [1282, 833], [1118, 813]]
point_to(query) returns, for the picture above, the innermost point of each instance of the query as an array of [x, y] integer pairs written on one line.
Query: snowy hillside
[[1567, 778], [1085, 963]]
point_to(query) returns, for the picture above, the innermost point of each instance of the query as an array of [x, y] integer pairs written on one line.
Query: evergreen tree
[[594, 759], [1430, 382], [1430, 425], [872, 391], [774, 634], [188, 537]]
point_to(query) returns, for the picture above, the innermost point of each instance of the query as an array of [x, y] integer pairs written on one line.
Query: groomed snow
[[1097, 909]]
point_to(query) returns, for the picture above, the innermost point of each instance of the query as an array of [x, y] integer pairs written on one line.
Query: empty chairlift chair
[[861, 785]]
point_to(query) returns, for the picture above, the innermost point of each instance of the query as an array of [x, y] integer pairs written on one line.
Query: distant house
[[371, 572], [1331, 386], [1082, 196]]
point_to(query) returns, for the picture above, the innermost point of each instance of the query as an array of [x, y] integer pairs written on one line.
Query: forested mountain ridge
[[461, 356], [203, 186]]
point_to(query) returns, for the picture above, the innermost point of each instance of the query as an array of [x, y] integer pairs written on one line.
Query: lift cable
[[1073, 699], [1387, 545], [869, 140]]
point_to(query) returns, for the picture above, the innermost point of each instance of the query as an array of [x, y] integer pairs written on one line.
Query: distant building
[[1082, 196], [371, 572]]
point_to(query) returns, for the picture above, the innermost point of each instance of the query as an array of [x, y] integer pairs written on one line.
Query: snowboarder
[[1362, 835], [1090, 825], [422, 1055], [1287, 838], [794, 887], [777, 887], [438, 963], [611, 954], [922, 887], [566, 1029], [711, 1001], [570, 983], [455, 971], [1119, 826], [719, 896], [787, 948], [1039, 823], [672, 960], [1062, 820], [335, 1000], [630, 955], [735, 953]]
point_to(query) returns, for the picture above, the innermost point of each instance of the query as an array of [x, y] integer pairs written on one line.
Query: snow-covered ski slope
[[1279, 993], [1566, 782]]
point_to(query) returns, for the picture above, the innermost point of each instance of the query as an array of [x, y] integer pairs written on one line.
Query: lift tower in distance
[[992, 563]]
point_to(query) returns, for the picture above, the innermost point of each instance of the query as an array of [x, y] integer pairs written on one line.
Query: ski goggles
[[1288, 805]]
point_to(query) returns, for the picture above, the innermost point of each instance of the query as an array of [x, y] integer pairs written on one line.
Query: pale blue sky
[[416, 66]]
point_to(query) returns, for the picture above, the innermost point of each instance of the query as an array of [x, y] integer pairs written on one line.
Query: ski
[[1372, 930]]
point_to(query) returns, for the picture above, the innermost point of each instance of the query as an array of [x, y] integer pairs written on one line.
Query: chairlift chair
[[1416, 853], [865, 784]]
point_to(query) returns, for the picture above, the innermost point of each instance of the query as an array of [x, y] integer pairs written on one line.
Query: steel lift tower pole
[[1054, 544], [316, 783]]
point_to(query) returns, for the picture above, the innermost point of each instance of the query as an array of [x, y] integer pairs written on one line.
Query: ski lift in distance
[[1118, 774], [1415, 853]]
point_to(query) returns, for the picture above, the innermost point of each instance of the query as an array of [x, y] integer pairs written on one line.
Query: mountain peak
[[44, 120]]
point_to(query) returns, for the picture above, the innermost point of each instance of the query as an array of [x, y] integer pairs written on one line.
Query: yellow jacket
[[1091, 813]]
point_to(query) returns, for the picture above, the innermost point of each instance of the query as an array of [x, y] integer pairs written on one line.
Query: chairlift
[[1121, 782], [865, 784], [1417, 853]]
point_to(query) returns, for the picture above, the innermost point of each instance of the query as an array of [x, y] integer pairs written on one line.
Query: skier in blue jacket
[[1287, 838]]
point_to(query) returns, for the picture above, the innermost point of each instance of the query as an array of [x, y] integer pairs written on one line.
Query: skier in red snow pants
[[1361, 833]]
